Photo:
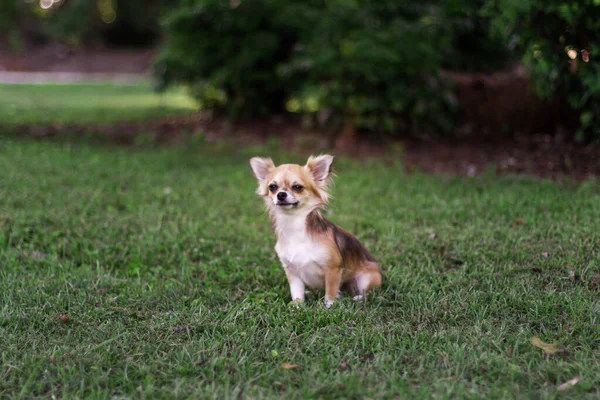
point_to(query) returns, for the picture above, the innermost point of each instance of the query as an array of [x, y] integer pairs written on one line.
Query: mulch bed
[[537, 155]]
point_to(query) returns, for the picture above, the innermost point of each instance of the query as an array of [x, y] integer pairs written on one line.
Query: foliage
[[371, 64], [85, 22], [232, 48], [376, 63], [150, 273], [8, 13], [560, 42], [473, 47]]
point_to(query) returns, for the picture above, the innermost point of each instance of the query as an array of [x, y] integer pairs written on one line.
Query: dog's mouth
[[287, 205]]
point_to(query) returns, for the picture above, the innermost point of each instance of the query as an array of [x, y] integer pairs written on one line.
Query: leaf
[[432, 235], [569, 384], [548, 348], [274, 353], [63, 318], [289, 366], [344, 365], [367, 357]]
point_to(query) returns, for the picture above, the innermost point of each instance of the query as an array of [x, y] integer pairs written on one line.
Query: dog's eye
[[297, 188], [272, 187]]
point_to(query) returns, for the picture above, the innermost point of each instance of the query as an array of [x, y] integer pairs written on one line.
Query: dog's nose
[[281, 196]]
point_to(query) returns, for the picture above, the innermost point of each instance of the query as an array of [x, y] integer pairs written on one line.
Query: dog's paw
[[358, 297], [328, 303], [296, 303]]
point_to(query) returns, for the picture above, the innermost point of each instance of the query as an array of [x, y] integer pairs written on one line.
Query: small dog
[[313, 251]]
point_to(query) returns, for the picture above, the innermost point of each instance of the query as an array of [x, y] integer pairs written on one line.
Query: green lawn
[[88, 103], [162, 259]]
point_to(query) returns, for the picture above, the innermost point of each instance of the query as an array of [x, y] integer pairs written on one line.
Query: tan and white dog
[[313, 251]]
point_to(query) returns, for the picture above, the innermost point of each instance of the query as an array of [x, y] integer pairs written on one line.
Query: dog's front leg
[[296, 286]]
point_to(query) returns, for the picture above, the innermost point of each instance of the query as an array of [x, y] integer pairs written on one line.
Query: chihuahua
[[313, 251]]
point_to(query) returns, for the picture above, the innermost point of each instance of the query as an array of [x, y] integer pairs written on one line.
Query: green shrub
[[370, 63], [375, 64], [8, 14], [230, 53], [85, 22], [473, 47], [560, 41]]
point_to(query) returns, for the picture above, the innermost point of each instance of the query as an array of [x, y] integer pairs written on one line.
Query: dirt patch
[[502, 102], [537, 155]]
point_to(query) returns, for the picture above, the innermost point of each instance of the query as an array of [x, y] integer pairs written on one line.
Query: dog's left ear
[[320, 168]]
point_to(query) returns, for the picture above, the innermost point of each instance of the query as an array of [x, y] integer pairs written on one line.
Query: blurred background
[[513, 82]]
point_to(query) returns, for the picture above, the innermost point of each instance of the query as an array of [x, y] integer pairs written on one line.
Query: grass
[[88, 103], [161, 263]]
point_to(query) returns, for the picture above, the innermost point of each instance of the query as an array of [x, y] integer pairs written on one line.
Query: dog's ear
[[320, 168], [261, 167]]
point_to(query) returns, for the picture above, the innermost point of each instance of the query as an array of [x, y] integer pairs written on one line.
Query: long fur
[[314, 252]]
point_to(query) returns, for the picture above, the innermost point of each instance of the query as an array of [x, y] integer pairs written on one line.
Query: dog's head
[[292, 187]]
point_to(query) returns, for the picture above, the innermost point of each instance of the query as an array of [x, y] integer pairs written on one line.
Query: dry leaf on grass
[[367, 357], [289, 366], [519, 221], [432, 236], [63, 318], [569, 384], [549, 349]]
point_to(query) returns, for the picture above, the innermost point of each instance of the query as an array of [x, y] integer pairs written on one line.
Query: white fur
[[296, 288], [302, 257]]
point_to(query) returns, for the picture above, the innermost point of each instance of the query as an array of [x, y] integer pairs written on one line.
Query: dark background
[[370, 69]]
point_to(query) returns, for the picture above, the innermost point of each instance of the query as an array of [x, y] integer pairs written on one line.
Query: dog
[[314, 252]]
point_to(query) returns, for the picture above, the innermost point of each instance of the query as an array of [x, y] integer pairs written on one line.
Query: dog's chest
[[303, 257]]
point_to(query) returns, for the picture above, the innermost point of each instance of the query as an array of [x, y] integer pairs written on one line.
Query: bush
[[84, 22], [560, 41], [473, 47], [230, 53], [375, 64], [370, 63], [8, 14]]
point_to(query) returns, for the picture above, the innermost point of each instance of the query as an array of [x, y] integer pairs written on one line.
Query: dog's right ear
[[261, 167]]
